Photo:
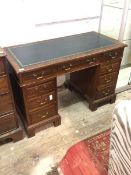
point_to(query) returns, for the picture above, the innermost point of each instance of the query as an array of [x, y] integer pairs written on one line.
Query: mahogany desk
[[93, 61]]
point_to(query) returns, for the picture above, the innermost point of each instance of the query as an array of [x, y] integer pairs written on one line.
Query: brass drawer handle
[[66, 69], [112, 55], [109, 70], [43, 116], [39, 77], [35, 75], [107, 81], [42, 103], [115, 55], [91, 61], [105, 93]]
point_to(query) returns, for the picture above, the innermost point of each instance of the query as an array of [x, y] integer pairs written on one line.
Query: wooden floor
[[36, 156]]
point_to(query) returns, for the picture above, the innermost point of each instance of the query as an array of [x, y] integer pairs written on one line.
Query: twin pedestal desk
[[93, 61]]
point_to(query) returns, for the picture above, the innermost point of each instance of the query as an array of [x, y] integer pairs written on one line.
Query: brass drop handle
[[106, 93], [107, 81], [39, 77], [35, 75], [109, 70], [42, 102], [91, 61], [113, 55], [43, 116], [68, 68]]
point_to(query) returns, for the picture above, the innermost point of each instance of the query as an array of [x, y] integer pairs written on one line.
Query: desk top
[[37, 52]]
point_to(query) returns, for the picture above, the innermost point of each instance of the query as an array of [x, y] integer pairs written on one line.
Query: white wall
[[25, 21]]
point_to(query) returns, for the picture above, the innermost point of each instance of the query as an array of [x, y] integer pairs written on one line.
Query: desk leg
[[57, 122], [92, 106], [30, 132], [113, 99]]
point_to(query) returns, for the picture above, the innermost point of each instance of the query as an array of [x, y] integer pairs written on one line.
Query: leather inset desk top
[[29, 54]]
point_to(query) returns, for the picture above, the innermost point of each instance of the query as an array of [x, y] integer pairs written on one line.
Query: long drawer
[[41, 101], [76, 65], [43, 114], [5, 103], [7, 123], [3, 85], [40, 89], [2, 68]]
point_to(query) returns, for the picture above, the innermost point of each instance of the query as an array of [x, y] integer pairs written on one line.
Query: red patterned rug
[[88, 157]]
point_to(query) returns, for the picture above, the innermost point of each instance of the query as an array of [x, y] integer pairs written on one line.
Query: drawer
[[103, 92], [108, 79], [7, 123], [43, 114], [112, 67], [5, 104], [113, 55], [40, 89], [3, 85], [2, 68], [77, 64], [39, 75], [41, 101]]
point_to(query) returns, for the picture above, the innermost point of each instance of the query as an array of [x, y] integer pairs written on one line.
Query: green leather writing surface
[[28, 54]]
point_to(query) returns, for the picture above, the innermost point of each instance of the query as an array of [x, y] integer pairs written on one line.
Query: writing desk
[[93, 61]]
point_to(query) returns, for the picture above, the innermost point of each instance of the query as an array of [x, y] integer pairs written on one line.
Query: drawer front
[[2, 68], [5, 103], [110, 68], [108, 79], [42, 114], [3, 85], [40, 89], [7, 123], [41, 101], [39, 75], [103, 92], [77, 64], [113, 55]]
